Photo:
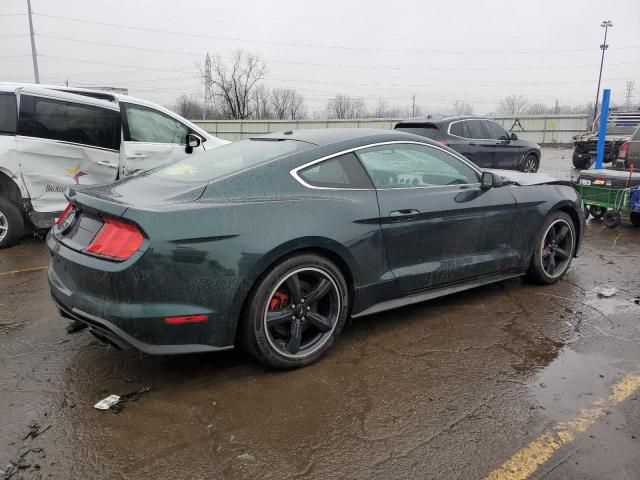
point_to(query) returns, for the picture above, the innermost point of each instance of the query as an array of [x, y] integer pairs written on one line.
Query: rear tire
[[11, 224], [554, 250], [581, 160], [530, 164], [296, 312], [635, 218], [612, 219]]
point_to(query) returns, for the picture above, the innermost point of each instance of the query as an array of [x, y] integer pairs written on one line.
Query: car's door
[[481, 148], [438, 225], [151, 138], [65, 140], [507, 152]]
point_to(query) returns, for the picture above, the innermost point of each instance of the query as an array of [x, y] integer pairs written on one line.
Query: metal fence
[[544, 129]]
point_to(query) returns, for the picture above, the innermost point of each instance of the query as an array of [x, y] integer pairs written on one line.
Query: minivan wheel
[[596, 211], [581, 160], [296, 312], [11, 224], [530, 164], [555, 248]]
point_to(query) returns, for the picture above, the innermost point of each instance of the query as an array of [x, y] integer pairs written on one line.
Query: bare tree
[[462, 108], [297, 109], [513, 105], [537, 109], [287, 104], [188, 107], [262, 99], [234, 84], [343, 106]]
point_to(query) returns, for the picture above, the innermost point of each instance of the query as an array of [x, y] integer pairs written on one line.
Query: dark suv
[[482, 140]]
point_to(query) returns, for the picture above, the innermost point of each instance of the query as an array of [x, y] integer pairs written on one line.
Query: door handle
[[407, 212], [104, 163], [136, 155]]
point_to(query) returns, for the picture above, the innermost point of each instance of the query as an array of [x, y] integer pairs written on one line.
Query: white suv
[[55, 137]]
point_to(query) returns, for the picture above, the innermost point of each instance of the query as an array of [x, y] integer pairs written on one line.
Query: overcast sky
[[476, 51]]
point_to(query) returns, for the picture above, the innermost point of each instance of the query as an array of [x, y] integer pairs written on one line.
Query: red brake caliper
[[278, 301]]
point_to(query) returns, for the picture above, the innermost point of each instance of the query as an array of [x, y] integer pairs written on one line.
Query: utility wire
[[311, 45], [173, 70], [336, 65]]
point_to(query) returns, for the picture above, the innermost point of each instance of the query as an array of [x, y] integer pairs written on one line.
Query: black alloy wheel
[[296, 312], [557, 248], [554, 251], [302, 312]]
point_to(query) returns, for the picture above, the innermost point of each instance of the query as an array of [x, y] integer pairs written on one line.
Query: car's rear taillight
[[116, 240], [64, 214], [624, 150]]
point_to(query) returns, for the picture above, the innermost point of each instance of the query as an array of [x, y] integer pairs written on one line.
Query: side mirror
[[193, 141], [514, 136], [490, 180], [487, 180]]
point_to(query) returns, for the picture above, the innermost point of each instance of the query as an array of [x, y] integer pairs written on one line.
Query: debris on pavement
[[246, 457], [19, 463], [115, 402], [606, 292], [35, 430], [107, 403]]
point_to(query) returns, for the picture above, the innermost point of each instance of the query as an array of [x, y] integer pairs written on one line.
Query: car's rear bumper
[[110, 333], [129, 307]]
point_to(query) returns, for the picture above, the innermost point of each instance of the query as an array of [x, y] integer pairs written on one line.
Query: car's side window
[[150, 126], [495, 131], [69, 122], [459, 129], [344, 171], [8, 113], [411, 165], [475, 129]]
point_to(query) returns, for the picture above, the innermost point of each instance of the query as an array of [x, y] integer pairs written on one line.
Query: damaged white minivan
[[55, 137]]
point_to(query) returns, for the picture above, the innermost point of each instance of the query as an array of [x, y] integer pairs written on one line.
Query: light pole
[[34, 55], [606, 24]]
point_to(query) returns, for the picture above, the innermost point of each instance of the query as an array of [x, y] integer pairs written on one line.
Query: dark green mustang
[[271, 243]]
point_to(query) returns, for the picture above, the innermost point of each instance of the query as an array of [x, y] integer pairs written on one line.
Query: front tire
[[11, 224], [530, 164], [296, 312], [555, 248], [635, 218]]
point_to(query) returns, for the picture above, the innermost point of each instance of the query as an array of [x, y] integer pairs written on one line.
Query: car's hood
[[521, 178]]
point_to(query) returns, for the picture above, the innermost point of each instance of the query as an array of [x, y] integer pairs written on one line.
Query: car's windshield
[[230, 158]]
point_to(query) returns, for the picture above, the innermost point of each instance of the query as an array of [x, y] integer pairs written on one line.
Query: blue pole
[[602, 126]]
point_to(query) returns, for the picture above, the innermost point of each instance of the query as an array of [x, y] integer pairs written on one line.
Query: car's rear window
[[228, 159], [429, 130]]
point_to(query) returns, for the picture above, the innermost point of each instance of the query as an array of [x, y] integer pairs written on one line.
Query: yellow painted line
[[527, 461], [33, 269]]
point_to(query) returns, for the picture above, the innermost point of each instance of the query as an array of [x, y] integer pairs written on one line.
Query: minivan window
[[151, 126], [228, 159], [8, 113], [69, 122], [495, 131], [475, 129]]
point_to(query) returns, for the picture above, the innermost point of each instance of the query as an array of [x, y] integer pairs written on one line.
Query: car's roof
[[428, 120], [98, 97], [327, 136]]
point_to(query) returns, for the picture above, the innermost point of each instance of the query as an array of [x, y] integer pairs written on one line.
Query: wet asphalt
[[451, 388]]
